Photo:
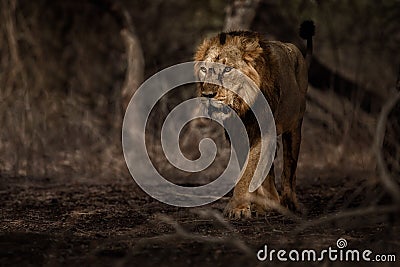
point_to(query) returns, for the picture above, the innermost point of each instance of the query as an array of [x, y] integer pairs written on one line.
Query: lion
[[280, 71]]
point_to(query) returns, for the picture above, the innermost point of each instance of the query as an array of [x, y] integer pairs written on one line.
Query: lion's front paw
[[258, 210], [237, 211]]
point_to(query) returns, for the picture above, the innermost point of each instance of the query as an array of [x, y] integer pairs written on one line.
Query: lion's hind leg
[[291, 145]]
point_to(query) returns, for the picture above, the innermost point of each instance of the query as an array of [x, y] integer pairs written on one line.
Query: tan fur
[[280, 71]]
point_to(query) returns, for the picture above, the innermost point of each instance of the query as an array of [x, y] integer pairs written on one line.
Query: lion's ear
[[222, 38], [252, 49]]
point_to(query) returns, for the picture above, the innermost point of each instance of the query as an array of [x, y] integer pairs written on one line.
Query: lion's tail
[[307, 31]]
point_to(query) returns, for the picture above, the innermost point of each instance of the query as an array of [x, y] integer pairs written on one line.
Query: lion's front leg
[[266, 196], [243, 203]]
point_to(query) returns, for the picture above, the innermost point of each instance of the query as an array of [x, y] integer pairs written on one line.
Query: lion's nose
[[209, 94]]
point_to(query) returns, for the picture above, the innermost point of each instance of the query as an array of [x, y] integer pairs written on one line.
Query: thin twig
[[180, 232], [339, 216]]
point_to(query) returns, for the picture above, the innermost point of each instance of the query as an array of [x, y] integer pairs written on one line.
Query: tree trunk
[[135, 69], [240, 14]]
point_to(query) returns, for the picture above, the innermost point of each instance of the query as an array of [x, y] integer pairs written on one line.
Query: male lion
[[280, 72]]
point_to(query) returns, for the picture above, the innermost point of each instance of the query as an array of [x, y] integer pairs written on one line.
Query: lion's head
[[222, 60]]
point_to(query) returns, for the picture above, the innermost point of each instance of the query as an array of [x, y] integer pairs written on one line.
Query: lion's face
[[214, 79], [220, 71]]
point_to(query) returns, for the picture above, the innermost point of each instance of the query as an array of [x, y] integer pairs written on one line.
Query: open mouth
[[217, 107]]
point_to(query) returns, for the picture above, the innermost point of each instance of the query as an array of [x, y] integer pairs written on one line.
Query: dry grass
[[53, 120]]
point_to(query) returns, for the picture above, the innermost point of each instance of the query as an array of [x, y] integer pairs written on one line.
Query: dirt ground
[[44, 222]]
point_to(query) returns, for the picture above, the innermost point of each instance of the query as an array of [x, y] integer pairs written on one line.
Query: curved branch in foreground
[[388, 182], [340, 216]]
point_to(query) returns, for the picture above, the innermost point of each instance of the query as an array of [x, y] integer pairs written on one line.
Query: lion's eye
[[203, 69], [227, 69]]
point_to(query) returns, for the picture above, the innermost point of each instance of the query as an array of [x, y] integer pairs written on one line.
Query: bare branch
[[135, 70], [388, 182]]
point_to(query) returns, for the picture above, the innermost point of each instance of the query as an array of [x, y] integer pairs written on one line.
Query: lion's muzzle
[[209, 90], [216, 108]]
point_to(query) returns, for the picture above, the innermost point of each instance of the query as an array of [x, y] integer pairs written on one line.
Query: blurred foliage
[[169, 30], [62, 66], [359, 39]]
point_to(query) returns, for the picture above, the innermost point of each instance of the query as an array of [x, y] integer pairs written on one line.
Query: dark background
[[66, 194]]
